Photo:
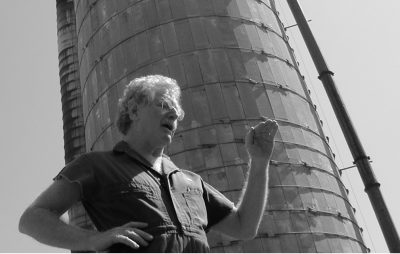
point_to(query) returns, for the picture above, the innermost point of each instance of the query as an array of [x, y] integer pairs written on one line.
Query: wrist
[[260, 161], [260, 158], [88, 242]]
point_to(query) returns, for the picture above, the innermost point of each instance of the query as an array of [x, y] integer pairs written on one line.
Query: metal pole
[[357, 150]]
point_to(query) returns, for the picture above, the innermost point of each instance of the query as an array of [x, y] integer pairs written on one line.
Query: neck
[[152, 154]]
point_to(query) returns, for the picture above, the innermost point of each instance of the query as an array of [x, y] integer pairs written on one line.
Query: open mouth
[[168, 126]]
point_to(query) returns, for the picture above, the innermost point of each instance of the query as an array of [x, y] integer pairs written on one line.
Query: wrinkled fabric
[[120, 186]]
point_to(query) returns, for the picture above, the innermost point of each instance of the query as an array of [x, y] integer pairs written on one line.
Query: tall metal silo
[[71, 99], [234, 65]]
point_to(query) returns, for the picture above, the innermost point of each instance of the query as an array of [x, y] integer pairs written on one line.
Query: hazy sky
[[359, 38]]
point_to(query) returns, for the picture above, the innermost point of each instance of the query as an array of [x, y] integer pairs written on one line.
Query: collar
[[123, 147]]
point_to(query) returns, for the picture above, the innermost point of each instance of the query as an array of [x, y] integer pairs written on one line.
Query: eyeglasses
[[167, 107]]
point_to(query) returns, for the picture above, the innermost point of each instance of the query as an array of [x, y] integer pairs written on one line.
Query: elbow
[[26, 220], [251, 236], [246, 230], [248, 235], [22, 222]]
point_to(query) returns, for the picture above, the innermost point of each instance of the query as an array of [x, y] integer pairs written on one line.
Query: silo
[[71, 99], [234, 65]]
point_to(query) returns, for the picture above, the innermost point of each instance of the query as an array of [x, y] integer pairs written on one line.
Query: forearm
[[46, 227], [243, 222], [254, 197]]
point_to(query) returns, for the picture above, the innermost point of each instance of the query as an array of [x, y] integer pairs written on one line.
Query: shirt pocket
[[195, 205], [125, 190], [124, 202]]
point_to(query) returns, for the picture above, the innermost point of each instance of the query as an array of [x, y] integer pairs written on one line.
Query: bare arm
[[41, 220], [244, 220]]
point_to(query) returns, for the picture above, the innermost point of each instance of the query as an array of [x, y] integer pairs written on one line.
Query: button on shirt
[[120, 186]]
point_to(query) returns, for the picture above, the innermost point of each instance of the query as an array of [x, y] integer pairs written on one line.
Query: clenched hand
[[260, 140]]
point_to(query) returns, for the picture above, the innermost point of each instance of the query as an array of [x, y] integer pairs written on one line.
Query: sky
[[359, 39]]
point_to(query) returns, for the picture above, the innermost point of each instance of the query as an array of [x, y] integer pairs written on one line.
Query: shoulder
[[190, 173], [98, 155], [191, 178], [91, 160], [92, 155]]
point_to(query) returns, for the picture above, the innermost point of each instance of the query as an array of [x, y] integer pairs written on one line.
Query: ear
[[132, 111], [132, 115]]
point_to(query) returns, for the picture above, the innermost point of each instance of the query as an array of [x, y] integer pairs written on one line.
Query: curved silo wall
[[71, 99], [234, 65]]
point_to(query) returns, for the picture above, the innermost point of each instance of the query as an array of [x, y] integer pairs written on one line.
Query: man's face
[[157, 122]]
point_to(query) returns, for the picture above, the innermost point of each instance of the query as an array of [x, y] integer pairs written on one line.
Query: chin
[[166, 140]]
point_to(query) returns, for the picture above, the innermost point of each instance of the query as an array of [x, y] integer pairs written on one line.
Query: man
[[137, 198]]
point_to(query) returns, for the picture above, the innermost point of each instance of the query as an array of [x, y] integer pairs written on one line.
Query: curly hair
[[142, 91]]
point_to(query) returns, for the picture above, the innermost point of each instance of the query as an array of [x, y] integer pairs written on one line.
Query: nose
[[173, 114]]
